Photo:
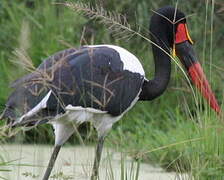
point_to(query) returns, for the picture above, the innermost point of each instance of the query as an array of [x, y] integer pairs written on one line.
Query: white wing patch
[[41, 105], [88, 109], [130, 61]]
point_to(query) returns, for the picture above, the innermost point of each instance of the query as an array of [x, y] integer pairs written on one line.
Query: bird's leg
[[98, 153], [51, 162]]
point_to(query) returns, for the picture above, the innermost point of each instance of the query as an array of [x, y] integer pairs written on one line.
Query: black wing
[[88, 77]]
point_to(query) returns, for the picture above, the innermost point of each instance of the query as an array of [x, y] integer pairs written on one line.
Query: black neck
[[162, 34], [155, 87]]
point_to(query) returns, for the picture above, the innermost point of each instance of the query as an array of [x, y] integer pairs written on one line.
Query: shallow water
[[29, 162]]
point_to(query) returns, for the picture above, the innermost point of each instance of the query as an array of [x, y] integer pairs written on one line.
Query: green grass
[[174, 142], [171, 130]]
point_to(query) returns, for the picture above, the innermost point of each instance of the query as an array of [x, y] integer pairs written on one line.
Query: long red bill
[[199, 79]]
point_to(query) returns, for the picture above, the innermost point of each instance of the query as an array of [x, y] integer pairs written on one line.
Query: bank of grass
[[172, 130], [175, 142]]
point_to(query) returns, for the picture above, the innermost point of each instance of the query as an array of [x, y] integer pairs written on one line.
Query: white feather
[[74, 116], [41, 105], [130, 61]]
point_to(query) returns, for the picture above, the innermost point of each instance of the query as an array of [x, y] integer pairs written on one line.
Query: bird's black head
[[168, 29], [165, 23]]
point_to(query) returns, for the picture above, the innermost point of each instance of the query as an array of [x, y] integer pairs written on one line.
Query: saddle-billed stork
[[100, 83]]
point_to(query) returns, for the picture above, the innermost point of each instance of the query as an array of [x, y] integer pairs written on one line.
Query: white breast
[[130, 61]]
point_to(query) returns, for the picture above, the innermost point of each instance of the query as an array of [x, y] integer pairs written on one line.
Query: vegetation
[[176, 130]]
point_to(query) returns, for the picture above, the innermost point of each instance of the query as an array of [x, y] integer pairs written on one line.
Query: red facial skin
[[182, 34]]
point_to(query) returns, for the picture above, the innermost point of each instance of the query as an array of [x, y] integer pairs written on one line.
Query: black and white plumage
[[92, 83], [99, 77], [100, 83]]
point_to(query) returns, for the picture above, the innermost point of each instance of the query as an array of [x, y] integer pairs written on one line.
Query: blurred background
[[173, 130]]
